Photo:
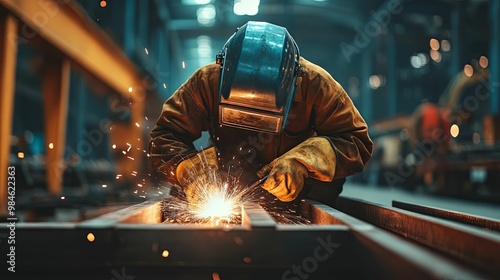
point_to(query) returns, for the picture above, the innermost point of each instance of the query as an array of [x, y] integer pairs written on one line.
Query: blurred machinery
[[450, 148]]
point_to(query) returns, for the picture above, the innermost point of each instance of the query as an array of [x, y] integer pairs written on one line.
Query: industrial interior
[[83, 82]]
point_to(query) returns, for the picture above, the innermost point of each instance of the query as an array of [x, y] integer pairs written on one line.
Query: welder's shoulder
[[204, 81], [314, 72], [209, 72], [316, 77]]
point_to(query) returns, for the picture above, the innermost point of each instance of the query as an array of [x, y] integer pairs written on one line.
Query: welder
[[269, 112]]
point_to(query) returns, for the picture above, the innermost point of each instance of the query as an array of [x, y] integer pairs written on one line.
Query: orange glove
[[315, 158], [196, 169]]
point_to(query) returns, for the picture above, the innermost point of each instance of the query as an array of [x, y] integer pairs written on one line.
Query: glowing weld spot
[[216, 207]]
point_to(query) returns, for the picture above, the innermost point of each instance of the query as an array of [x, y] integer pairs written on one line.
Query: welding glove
[[194, 170], [314, 158]]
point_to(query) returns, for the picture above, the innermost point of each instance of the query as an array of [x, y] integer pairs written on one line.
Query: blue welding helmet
[[259, 70]]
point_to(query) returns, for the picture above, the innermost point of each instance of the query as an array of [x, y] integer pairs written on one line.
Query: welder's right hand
[[314, 158], [194, 169]]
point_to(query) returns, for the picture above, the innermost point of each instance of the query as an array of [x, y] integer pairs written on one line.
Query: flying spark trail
[[218, 201], [219, 197]]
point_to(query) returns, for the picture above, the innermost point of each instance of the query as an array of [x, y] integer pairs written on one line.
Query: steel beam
[[117, 240], [483, 222], [56, 95], [148, 212], [64, 25], [254, 216], [474, 246], [336, 244], [395, 256]]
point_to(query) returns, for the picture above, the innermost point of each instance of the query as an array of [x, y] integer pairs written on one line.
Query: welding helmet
[[259, 69]]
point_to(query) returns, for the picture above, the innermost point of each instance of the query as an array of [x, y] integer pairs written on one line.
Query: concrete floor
[[385, 196]]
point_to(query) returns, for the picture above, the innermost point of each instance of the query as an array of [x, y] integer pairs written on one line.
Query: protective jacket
[[321, 107]]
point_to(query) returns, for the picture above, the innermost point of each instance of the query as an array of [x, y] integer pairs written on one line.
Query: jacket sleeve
[[184, 116], [336, 117]]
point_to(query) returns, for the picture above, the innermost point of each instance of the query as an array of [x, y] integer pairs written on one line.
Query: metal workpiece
[[147, 212], [254, 216], [477, 247], [258, 243], [139, 241], [481, 222], [396, 256]]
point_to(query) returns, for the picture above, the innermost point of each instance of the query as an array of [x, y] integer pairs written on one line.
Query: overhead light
[[376, 81], [419, 60], [204, 47], [196, 2], [483, 61], [435, 55], [445, 45], [206, 14], [434, 44], [415, 61], [468, 70], [246, 7], [454, 130]]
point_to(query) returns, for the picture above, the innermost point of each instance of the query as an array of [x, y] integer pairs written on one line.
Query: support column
[[8, 55], [491, 124], [391, 76], [494, 57], [55, 102], [129, 32], [366, 90], [455, 18]]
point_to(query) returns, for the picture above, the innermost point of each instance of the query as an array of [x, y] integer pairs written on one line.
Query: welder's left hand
[[315, 158], [194, 173]]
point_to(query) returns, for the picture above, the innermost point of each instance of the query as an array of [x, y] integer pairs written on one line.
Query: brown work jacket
[[321, 107]]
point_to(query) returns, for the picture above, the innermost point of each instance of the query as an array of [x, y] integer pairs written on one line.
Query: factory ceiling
[[330, 21]]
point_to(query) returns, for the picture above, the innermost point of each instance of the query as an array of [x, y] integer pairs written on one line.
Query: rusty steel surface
[[255, 217], [479, 248], [394, 255], [137, 240], [130, 238], [482, 222]]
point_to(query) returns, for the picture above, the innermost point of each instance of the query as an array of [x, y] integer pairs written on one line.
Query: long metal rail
[[338, 243], [478, 221], [474, 246]]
